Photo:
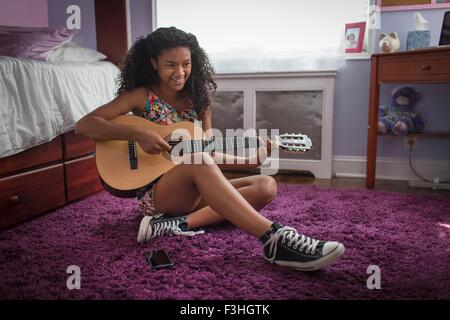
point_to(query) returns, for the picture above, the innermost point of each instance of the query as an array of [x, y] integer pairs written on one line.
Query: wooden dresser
[[46, 177], [431, 65]]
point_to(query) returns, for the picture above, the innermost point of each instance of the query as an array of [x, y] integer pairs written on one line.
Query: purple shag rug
[[406, 235]]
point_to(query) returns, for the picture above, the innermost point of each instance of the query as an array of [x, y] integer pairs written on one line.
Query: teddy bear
[[398, 118], [389, 42]]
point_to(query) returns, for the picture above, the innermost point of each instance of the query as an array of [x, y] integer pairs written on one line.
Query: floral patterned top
[[159, 111]]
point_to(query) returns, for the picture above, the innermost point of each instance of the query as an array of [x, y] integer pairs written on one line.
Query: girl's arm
[[228, 161], [97, 125]]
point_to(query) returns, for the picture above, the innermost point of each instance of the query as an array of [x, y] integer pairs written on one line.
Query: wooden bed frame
[[63, 170]]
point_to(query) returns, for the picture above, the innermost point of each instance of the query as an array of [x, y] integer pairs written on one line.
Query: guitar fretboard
[[192, 146]]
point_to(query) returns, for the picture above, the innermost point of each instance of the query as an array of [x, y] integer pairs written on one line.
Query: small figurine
[[389, 43]]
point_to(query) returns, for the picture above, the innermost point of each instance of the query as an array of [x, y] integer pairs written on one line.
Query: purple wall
[[141, 18], [57, 16], [352, 99], [26, 13]]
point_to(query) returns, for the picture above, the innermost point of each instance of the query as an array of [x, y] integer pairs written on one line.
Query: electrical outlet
[[408, 140]]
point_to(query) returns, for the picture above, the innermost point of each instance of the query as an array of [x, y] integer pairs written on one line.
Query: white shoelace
[[163, 227], [294, 239]]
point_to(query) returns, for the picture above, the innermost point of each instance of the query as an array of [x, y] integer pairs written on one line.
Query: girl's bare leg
[[181, 189], [257, 190]]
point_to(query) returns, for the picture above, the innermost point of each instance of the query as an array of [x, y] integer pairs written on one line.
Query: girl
[[167, 78]]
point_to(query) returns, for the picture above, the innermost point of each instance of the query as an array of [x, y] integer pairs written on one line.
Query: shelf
[[430, 65], [423, 134], [431, 134]]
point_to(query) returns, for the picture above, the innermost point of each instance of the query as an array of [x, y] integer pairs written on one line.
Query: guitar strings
[[222, 141]]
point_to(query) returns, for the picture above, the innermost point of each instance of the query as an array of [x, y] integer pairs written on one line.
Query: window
[[266, 35]]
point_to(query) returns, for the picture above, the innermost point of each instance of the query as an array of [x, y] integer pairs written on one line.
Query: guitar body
[[113, 161]]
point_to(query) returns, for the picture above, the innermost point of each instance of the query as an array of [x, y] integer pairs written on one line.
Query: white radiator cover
[[323, 81]]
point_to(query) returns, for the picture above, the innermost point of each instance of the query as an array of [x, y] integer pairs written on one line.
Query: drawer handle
[[14, 199], [426, 67]]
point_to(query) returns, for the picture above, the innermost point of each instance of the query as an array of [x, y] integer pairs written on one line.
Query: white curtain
[[266, 35]]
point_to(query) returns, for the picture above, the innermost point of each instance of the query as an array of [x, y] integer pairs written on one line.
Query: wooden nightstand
[[431, 65]]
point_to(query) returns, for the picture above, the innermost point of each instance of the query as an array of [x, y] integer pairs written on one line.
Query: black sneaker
[[286, 247], [154, 226]]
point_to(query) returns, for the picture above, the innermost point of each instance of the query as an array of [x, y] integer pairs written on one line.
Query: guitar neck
[[220, 144]]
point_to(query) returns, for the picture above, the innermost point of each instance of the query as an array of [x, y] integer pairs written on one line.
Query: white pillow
[[73, 52]]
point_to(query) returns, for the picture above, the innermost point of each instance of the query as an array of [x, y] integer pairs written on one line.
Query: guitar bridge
[[132, 155]]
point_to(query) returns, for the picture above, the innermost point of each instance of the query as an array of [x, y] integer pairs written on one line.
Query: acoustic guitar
[[124, 167]]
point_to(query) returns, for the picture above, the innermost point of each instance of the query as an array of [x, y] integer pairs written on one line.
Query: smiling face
[[173, 67]]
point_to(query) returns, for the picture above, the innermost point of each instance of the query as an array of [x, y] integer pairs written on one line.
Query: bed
[[43, 163], [41, 100]]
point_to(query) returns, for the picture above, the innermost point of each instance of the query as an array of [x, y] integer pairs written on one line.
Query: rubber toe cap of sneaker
[[331, 246], [142, 234]]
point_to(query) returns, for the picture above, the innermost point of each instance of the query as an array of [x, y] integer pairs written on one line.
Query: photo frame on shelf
[[354, 37], [399, 5]]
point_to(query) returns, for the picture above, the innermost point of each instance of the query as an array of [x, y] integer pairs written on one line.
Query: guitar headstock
[[294, 142]]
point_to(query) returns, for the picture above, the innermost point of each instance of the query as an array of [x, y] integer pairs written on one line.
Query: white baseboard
[[391, 168]]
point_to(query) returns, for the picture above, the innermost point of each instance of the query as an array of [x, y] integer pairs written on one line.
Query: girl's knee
[[266, 187], [200, 162], [198, 158]]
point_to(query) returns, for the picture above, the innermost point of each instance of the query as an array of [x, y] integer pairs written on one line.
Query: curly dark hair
[[137, 71]]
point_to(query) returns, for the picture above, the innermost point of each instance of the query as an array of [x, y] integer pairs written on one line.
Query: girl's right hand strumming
[[151, 142]]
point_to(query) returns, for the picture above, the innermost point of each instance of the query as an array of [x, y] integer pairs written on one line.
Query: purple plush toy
[[398, 118]]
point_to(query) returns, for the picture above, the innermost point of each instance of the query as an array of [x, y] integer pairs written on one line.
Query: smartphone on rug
[[158, 259]]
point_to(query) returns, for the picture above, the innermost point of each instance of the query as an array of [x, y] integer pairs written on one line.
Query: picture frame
[[354, 37], [403, 5]]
